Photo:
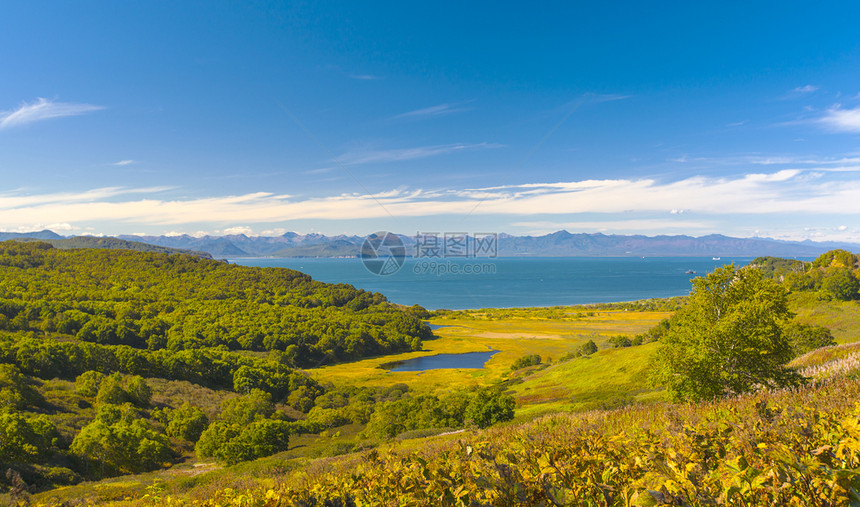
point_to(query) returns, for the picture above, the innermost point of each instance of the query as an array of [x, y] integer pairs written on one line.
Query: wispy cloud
[[401, 154], [619, 226], [805, 89], [589, 98], [800, 91], [842, 120], [321, 170], [788, 193], [807, 163], [606, 97], [43, 109], [432, 112], [125, 162], [17, 200], [364, 77]]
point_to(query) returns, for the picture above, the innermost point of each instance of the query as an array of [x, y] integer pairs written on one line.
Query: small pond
[[439, 361]]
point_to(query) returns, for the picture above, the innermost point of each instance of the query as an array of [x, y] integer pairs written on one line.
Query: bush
[[840, 283], [186, 422], [587, 348], [805, 337], [526, 361], [88, 383], [619, 341], [490, 406], [232, 443]]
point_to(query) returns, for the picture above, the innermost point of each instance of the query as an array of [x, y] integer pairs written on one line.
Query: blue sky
[[352, 117]]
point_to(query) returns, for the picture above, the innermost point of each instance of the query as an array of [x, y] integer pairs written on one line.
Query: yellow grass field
[[550, 333]]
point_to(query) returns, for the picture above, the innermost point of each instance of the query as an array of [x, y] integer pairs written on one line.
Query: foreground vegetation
[[792, 447]]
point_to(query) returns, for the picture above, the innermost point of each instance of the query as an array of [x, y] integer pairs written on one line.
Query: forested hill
[[180, 302], [114, 244]]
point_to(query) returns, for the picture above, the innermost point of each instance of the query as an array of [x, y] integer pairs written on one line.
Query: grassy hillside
[[841, 317], [792, 447], [773, 448]]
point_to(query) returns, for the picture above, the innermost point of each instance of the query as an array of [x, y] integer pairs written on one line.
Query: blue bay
[[515, 281]]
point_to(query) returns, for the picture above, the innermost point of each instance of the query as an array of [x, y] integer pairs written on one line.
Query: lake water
[[439, 361], [514, 281]]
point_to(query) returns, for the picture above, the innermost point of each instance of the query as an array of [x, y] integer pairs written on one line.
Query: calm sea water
[[514, 282]]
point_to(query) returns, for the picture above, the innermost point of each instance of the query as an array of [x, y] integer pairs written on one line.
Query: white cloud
[[10, 201], [242, 229], [43, 109], [124, 162], [430, 112], [321, 170], [798, 92], [619, 226], [364, 77], [805, 89], [606, 97], [398, 155], [65, 227], [787, 193], [842, 120], [277, 231]]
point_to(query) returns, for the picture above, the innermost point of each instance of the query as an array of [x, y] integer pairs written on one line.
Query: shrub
[[526, 361]]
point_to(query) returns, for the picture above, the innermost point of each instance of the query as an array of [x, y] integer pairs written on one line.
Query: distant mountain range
[[557, 244]]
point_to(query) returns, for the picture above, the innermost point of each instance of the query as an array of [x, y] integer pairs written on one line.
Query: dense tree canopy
[[180, 302], [835, 274]]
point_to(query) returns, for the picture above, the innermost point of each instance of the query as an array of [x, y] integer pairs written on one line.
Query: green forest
[[84, 332]]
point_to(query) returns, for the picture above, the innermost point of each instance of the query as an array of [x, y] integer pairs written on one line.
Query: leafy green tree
[[728, 339], [246, 409], [526, 361], [840, 283], [95, 441], [259, 439], [489, 406], [619, 341], [23, 439], [835, 258], [121, 442], [88, 383], [186, 422], [138, 391], [111, 391], [215, 437], [15, 389], [806, 337], [232, 443], [588, 348]]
